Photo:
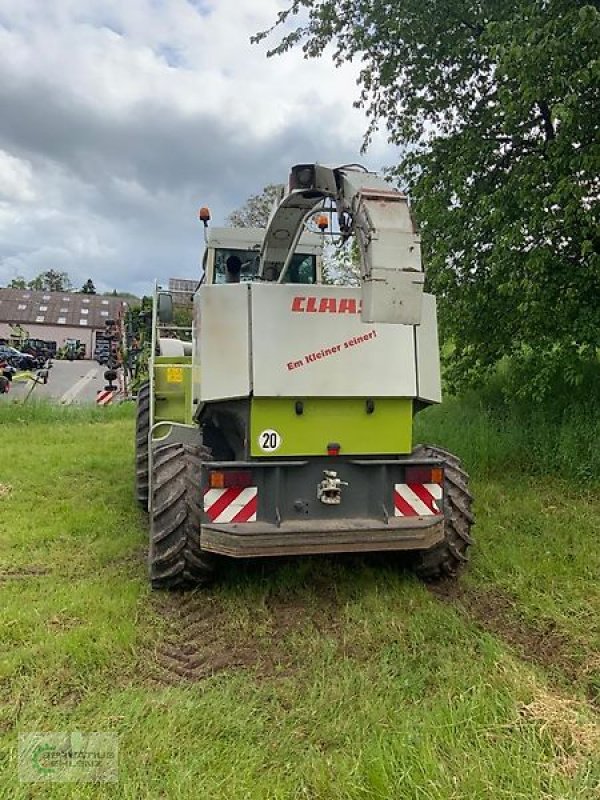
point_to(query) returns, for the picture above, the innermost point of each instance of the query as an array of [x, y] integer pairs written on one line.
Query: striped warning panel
[[104, 397], [231, 505], [418, 499]]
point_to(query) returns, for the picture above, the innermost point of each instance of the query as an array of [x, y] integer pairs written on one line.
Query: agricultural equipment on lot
[[10, 375], [285, 427], [72, 350], [42, 350], [18, 335]]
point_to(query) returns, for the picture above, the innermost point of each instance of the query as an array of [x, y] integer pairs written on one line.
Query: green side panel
[[346, 421], [173, 389]]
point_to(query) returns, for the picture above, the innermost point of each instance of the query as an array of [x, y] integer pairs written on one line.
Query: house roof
[[59, 308]]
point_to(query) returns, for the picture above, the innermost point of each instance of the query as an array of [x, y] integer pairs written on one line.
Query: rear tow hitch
[[329, 491]]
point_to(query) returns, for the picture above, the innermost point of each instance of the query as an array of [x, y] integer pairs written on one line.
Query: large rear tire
[[142, 432], [176, 559], [446, 558]]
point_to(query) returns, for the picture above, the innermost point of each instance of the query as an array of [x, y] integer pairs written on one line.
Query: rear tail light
[[229, 478], [424, 475]]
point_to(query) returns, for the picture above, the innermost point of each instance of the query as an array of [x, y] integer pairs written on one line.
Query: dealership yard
[[68, 382]]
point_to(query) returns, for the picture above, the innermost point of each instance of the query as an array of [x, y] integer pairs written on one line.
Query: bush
[[494, 430]]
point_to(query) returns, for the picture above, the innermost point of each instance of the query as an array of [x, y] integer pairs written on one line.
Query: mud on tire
[[142, 430], [176, 559], [446, 558]]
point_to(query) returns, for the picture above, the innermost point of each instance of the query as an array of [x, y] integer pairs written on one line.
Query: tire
[[446, 558], [142, 432], [176, 560]]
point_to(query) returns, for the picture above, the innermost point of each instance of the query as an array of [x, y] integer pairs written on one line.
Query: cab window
[[302, 269], [250, 261]]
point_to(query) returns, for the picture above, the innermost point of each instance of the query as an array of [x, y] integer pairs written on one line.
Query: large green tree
[[257, 209], [51, 281], [497, 106]]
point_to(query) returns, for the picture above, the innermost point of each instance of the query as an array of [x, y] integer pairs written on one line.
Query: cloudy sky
[[119, 119]]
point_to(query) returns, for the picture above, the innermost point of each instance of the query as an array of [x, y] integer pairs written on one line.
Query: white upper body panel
[[294, 340]]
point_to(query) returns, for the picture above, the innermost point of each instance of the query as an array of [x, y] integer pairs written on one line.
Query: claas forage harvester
[[284, 426]]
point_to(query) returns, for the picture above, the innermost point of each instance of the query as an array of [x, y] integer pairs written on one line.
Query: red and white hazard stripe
[[418, 499], [231, 505], [104, 397]]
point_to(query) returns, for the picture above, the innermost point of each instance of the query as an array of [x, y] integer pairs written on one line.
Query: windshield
[[303, 268]]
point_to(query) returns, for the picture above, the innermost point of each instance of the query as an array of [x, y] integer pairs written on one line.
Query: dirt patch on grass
[[206, 636], [5, 490], [540, 644], [27, 571]]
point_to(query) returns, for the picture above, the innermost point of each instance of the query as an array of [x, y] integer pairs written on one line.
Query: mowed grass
[[325, 677]]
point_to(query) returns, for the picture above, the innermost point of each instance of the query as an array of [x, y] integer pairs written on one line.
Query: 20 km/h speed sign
[[269, 441]]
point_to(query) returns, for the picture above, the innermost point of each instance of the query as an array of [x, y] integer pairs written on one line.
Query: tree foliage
[[18, 283], [50, 281], [256, 210], [497, 105], [341, 263], [88, 287]]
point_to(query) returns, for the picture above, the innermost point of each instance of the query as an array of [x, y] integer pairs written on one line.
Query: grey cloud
[[130, 182]]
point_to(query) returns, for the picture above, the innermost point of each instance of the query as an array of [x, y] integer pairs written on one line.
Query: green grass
[[342, 678], [43, 411], [496, 435]]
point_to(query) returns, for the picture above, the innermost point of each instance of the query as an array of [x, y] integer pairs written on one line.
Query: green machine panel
[[305, 427], [172, 389]]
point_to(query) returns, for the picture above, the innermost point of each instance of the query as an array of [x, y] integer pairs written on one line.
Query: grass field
[[316, 678]]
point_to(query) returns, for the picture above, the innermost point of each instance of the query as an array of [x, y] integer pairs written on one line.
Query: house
[[58, 316]]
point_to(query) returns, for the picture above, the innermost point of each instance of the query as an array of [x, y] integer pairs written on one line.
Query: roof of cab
[[252, 238]]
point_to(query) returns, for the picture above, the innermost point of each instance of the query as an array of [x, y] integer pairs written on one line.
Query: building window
[[64, 310], [85, 311], [105, 302], [43, 308], [104, 313], [66, 299], [40, 319], [46, 297], [26, 296], [21, 307], [85, 300], [83, 322], [62, 320]]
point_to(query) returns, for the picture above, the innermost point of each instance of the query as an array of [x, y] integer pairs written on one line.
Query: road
[[69, 382]]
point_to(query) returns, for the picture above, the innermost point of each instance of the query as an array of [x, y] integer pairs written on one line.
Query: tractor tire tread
[[445, 559], [176, 559], [142, 432]]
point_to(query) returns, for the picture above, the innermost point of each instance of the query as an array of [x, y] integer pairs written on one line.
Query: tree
[[18, 283], [88, 287], [123, 295], [256, 210], [341, 263], [51, 281], [496, 104]]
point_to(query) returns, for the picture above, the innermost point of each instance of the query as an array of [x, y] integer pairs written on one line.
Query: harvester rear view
[[285, 426]]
